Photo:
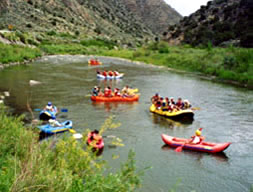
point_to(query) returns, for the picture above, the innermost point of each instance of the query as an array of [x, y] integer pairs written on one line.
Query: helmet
[[49, 103], [198, 132], [49, 107]]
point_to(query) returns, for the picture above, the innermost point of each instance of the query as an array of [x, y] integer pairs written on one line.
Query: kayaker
[[94, 136], [108, 92], [117, 92], [105, 73], [116, 73], [180, 103], [155, 98], [172, 100], [187, 104], [49, 107], [125, 91], [95, 91], [197, 138], [110, 73], [54, 123]]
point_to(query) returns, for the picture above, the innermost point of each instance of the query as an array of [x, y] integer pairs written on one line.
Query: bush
[[229, 62], [27, 165], [98, 43]]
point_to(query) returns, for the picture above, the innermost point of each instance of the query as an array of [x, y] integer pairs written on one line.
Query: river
[[226, 114]]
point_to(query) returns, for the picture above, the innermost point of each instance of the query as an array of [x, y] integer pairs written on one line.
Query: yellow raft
[[175, 115]]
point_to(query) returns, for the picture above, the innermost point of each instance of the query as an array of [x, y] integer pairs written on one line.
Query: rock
[[2, 97], [1, 101], [33, 82]]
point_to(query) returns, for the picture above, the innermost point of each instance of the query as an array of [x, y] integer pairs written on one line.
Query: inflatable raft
[[94, 62], [203, 146], [99, 76], [175, 115], [96, 145], [115, 99], [66, 125], [45, 115]]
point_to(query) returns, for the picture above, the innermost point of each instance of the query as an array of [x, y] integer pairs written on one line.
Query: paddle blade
[[77, 136], [72, 131], [37, 109], [179, 149], [64, 110], [195, 108]]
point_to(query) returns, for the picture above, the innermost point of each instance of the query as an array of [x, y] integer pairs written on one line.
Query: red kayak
[[203, 146]]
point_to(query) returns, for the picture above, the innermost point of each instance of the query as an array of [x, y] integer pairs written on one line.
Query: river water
[[226, 115]]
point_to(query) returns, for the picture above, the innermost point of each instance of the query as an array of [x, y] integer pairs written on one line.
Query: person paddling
[[105, 73], [49, 107], [197, 138]]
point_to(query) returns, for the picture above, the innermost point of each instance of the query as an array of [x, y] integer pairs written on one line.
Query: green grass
[[15, 53], [65, 165], [234, 64]]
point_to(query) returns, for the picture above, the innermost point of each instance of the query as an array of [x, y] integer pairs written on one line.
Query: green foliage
[[98, 43], [27, 165], [15, 53]]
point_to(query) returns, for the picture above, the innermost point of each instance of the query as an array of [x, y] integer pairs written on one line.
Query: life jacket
[[104, 73], [110, 73], [196, 140], [116, 73]]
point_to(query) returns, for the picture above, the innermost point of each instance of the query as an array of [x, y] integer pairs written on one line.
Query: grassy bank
[[27, 165], [16, 53], [232, 64]]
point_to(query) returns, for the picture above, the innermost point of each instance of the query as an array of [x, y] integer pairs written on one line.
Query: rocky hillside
[[115, 19], [155, 14], [221, 22]]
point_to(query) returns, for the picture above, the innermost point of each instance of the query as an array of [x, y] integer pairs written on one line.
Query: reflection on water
[[169, 123], [112, 106]]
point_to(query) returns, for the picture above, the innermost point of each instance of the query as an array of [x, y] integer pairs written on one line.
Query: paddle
[[75, 134], [195, 108], [62, 110], [180, 148]]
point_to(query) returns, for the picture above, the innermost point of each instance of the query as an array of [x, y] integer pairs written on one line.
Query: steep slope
[[114, 19], [220, 22], [155, 14], [107, 18]]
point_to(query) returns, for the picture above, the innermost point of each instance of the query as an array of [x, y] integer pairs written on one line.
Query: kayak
[[45, 115], [175, 115], [99, 76], [115, 98], [94, 62], [203, 146], [98, 145], [66, 125]]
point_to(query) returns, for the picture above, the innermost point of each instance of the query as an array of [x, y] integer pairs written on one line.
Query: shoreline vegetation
[[231, 65], [57, 165]]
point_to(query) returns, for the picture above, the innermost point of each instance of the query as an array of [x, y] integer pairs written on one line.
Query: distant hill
[[155, 14], [222, 22], [116, 19]]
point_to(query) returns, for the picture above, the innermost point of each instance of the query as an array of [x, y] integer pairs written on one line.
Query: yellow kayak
[[176, 115]]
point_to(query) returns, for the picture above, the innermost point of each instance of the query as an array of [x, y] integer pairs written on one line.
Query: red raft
[[203, 146], [115, 98], [94, 62]]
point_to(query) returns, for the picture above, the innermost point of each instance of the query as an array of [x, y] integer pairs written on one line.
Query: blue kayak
[[45, 115], [66, 125]]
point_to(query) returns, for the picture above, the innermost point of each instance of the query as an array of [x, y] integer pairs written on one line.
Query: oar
[[75, 134], [195, 108], [62, 110], [180, 148], [89, 95]]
